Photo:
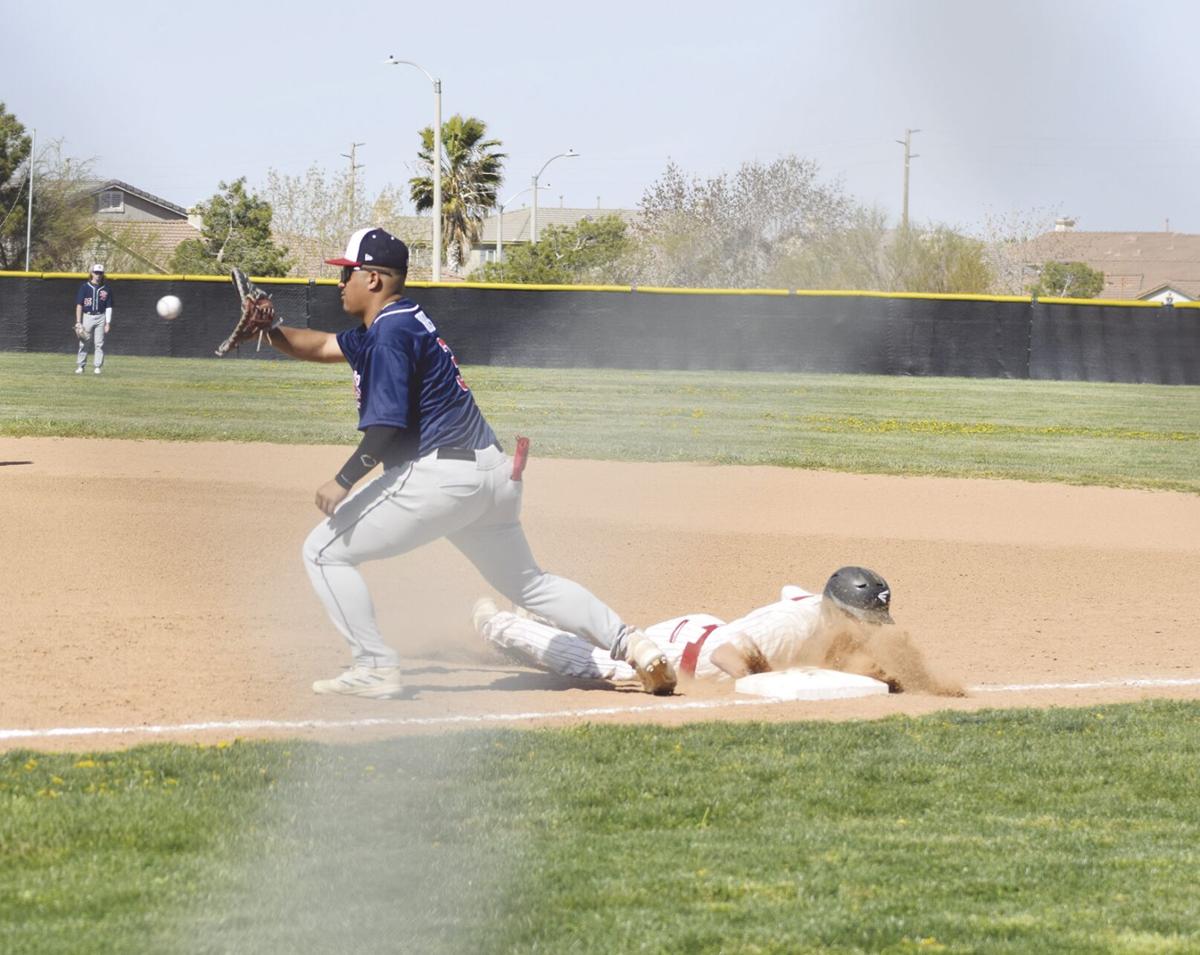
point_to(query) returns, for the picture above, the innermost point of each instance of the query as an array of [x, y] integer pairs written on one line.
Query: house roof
[[517, 221], [310, 252], [97, 186], [150, 243], [1190, 290], [1133, 263]]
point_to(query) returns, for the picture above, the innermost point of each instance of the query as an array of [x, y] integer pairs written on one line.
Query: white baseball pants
[[548, 648], [474, 504], [94, 325]]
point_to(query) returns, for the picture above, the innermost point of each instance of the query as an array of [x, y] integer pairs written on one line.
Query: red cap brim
[[342, 262]]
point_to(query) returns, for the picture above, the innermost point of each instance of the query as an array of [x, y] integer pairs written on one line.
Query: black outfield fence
[[589, 327]]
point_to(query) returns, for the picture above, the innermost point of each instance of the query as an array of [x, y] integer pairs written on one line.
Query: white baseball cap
[[374, 246], [98, 268]]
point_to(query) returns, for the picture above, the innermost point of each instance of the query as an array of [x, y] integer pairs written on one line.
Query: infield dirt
[[155, 583]]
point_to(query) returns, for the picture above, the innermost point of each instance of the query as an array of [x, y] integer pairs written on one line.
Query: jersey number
[[454, 361]]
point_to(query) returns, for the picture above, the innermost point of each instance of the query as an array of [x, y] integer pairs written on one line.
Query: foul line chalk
[[1098, 685], [234, 726]]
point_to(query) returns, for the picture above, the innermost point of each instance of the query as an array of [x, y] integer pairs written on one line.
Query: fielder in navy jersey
[[93, 318], [444, 474]]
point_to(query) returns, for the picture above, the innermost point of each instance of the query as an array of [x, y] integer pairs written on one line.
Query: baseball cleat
[[485, 608], [652, 667], [530, 615], [374, 683]]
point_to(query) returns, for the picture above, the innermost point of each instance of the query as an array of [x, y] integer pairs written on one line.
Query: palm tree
[[471, 174]]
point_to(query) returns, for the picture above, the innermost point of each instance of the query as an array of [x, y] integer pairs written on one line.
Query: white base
[[810, 683]]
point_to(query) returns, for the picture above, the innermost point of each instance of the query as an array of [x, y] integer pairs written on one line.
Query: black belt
[[464, 454]]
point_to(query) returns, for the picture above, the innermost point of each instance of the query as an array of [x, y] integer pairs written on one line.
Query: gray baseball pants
[[475, 505], [94, 326]]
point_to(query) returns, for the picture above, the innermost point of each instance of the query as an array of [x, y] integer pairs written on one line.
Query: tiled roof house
[[1136, 265]]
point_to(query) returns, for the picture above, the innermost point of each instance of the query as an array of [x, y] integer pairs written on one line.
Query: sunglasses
[[348, 270]]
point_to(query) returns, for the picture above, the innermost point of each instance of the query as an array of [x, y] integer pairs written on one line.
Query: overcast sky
[[1088, 108]]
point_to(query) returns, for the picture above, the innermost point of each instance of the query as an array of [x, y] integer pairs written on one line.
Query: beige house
[[1147, 266], [308, 253], [135, 231]]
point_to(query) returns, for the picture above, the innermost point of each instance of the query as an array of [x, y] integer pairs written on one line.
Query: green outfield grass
[[1066, 830], [1110, 434]]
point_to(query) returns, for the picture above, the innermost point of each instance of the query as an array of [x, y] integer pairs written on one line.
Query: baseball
[[169, 307]]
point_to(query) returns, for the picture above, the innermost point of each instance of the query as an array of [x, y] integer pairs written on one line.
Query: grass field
[[1057, 831], [1081, 433], [947, 833]]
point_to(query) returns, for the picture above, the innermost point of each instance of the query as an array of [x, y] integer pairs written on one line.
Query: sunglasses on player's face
[[348, 270]]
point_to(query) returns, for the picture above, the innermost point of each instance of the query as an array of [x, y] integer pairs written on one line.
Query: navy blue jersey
[[94, 298], [405, 376]]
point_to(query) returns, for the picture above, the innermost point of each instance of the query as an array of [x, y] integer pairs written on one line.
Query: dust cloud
[[886, 653]]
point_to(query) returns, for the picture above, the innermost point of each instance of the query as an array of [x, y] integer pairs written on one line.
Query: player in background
[[93, 315], [444, 474], [703, 647]]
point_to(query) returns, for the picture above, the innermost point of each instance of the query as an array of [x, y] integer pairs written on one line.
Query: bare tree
[[312, 216], [730, 230], [1006, 237]]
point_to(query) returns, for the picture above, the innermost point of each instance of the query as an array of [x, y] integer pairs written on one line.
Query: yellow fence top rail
[[646, 289]]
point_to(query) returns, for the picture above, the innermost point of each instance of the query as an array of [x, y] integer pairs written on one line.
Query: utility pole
[[909, 155], [353, 167]]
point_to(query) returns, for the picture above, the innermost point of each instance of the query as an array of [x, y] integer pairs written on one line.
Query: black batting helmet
[[860, 592]]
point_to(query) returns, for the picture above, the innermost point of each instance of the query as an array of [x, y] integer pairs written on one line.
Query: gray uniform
[[476, 505]]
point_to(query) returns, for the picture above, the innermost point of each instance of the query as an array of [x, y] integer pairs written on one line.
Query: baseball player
[[93, 318], [701, 646], [444, 474]]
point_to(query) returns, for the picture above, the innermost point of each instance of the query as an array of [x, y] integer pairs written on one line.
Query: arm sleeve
[[108, 315], [376, 440]]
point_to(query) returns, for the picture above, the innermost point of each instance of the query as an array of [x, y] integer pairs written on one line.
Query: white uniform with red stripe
[[775, 632]]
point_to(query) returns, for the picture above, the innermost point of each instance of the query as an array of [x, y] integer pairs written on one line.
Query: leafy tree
[[591, 252], [15, 147], [236, 233], [938, 259], [868, 256], [730, 231], [852, 257], [1068, 280], [471, 174], [61, 205]]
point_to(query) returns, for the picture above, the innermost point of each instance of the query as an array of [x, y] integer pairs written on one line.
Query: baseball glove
[[258, 314], [82, 333]]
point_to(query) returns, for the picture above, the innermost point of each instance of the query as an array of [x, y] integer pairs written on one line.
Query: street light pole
[[569, 154], [437, 163], [500, 223], [29, 216]]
